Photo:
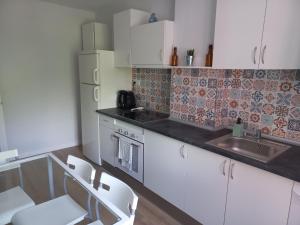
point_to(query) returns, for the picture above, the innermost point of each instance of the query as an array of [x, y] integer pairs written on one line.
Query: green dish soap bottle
[[238, 128]]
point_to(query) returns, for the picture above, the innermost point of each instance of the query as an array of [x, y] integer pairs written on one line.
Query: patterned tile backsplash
[[152, 88], [265, 99]]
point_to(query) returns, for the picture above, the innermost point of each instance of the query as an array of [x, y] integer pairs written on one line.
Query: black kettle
[[126, 100]]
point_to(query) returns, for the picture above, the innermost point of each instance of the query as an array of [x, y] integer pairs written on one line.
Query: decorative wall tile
[[265, 99], [152, 88]]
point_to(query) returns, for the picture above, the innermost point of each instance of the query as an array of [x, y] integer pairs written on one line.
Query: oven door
[[130, 157]]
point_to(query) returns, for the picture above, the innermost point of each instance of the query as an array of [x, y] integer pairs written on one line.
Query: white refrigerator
[[99, 84]]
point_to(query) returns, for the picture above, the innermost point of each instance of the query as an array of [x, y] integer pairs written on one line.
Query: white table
[[51, 159]]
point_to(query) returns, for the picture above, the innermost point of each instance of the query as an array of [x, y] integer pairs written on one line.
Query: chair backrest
[[7, 156], [83, 168], [119, 194]]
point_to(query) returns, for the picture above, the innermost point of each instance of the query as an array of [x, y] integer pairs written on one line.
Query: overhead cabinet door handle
[[263, 54], [254, 54]]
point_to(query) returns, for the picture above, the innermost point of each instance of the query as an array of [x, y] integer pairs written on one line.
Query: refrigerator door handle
[[96, 76], [96, 94]]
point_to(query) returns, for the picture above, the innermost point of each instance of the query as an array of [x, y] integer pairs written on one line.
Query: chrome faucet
[[254, 134]]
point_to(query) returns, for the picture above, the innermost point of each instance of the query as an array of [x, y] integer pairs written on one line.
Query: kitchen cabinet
[[123, 22], [206, 185], [3, 141], [96, 36], [294, 215], [151, 44], [256, 197], [257, 34], [108, 141], [164, 168], [238, 33], [281, 37]]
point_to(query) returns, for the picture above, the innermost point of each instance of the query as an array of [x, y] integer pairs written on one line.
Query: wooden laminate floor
[[151, 210]]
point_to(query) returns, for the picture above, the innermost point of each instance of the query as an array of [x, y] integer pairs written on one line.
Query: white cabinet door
[[206, 186], [96, 36], [90, 123], [281, 39], [164, 168], [151, 44], [123, 22], [256, 197], [108, 144], [294, 215], [238, 33], [89, 69], [3, 141]]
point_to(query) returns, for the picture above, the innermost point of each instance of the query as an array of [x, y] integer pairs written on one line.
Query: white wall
[[39, 42], [164, 9], [194, 28]]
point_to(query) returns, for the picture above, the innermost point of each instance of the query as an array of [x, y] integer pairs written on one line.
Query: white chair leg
[[65, 184], [90, 216], [21, 177], [97, 211]]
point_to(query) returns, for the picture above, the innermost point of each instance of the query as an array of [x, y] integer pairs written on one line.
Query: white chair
[[14, 199], [119, 194], [59, 211]]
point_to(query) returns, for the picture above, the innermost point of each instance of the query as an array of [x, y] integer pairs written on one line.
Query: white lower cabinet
[[108, 143], [256, 197], [294, 216], [206, 185], [210, 187], [164, 168]]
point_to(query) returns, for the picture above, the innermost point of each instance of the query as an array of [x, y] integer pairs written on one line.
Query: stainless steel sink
[[260, 149]]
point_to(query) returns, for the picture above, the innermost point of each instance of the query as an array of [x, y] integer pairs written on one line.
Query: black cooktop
[[140, 116]]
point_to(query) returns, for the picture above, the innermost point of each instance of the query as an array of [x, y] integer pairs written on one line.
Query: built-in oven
[[129, 155]]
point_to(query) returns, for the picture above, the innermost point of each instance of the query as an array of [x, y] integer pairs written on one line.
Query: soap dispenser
[[238, 128]]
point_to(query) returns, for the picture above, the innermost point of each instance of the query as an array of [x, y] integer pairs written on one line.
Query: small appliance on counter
[[126, 100]]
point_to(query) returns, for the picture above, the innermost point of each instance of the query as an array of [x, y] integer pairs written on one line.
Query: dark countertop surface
[[287, 164]]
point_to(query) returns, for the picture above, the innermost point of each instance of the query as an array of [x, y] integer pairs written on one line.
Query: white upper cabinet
[[152, 43], [206, 185], [257, 34], [123, 22], [238, 33], [256, 197], [164, 168], [96, 36], [281, 38]]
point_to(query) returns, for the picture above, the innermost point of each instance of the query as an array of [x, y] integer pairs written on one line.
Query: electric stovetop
[[142, 116]]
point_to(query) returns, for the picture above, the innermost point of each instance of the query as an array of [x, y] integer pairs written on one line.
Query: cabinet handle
[[181, 151], [95, 76], [263, 54], [231, 171], [96, 94], [254, 54], [161, 55], [224, 167]]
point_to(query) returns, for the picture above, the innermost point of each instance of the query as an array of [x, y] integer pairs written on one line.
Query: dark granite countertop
[[286, 165]]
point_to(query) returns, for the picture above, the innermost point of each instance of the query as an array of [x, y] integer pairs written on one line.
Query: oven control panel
[[135, 135]]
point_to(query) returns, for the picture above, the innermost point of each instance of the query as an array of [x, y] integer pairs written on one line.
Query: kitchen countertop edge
[[286, 165]]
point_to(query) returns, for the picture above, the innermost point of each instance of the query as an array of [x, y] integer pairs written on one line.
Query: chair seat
[[12, 201], [59, 211], [98, 222]]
